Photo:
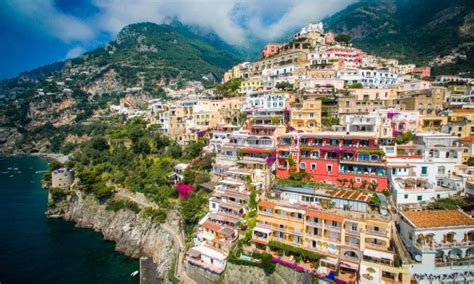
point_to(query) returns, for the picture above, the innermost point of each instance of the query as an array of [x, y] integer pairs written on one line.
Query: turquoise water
[[34, 249]]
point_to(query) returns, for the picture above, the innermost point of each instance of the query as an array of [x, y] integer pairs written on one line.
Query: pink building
[[422, 71], [271, 49]]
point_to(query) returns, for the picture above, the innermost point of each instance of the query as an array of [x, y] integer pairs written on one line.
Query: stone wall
[[236, 274], [200, 275]]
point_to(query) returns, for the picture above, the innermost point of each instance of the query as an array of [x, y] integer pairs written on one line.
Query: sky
[[38, 32]]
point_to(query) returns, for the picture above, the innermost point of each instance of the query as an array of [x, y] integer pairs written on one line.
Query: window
[[329, 168], [441, 170], [354, 227], [302, 166], [406, 196], [334, 223], [419, 197], [313, 167], [424, 170]]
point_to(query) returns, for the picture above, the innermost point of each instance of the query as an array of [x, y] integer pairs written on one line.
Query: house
[[441, 243]]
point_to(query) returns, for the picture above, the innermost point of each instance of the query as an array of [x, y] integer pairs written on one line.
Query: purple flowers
[[271, 159], [288, 264]]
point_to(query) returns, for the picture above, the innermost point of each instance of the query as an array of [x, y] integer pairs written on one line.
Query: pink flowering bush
[[184, 190]]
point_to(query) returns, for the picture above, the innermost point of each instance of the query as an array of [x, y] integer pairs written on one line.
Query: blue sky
[[39, 32]]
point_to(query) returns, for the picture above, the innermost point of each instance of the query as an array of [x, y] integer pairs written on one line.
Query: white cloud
[[45, 16], [235, 21], [74, 52]]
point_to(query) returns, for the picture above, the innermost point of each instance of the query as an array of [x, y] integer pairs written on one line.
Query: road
[[178, 237]]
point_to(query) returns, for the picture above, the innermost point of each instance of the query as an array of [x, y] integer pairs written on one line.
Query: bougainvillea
[[184, 190]]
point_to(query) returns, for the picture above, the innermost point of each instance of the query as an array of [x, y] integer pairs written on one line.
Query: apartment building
[[305, 116], [441, 244], [425, 170], [334, 158], [345, 238]]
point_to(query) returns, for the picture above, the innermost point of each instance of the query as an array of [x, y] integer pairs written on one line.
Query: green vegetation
[[230, 87], [266, 263], [120, 204], [328, 122], [343, 38], [355, 86], [299, 183], [156, 215], [412, 31], [58, 194], [306, 255], [447, 203], [403, 138], [284, 86]]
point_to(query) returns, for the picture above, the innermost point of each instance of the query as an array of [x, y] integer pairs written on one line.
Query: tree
[[343, 38], [284, 85], [174, 150]]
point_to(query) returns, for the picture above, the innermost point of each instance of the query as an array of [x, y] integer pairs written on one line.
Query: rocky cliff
[[133, 235]]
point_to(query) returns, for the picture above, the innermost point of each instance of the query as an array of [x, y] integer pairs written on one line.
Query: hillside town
[[341, 165]]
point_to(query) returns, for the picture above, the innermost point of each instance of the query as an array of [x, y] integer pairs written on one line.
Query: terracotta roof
[[211, 226], [438, 218], [463, 110], [467, 139], [324, 216], [266, 204]]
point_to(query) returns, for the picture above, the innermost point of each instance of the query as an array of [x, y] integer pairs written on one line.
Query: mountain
[[411, 30], [45, 108], [15, 86]]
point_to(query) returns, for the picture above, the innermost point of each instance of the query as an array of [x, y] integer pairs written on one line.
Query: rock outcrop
[[134, 236]]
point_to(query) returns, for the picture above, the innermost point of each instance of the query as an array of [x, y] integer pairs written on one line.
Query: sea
[[35, 249]]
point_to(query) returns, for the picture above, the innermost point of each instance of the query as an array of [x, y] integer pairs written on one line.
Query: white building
[[368, 78], [441, 243], [425, 171]]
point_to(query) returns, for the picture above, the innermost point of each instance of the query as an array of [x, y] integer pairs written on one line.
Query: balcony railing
[[455, 262], [375, 246], [382, 233], [435, 245]]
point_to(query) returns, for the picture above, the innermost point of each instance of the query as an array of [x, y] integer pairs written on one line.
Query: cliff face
[[133, 235]]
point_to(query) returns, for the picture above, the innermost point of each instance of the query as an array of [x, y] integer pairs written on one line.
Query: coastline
[[51, 156]]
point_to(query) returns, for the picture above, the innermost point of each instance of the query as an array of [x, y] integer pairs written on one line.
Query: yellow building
[[251, 86], [306, 116], [460, 123], [346, 239]]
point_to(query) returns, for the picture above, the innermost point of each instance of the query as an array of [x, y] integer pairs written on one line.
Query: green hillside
[[410, 30]]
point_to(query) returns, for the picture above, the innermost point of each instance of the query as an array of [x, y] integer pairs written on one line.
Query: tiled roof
[[438, 218], [266, 204], [468, 139], [324, 216], [211, 226]]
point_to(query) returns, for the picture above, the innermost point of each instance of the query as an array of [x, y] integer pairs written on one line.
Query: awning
[[378, 254], [263, 230]]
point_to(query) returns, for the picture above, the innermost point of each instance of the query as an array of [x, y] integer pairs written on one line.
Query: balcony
[[435, 245], [452, 262], [376, 246], [380, 233]]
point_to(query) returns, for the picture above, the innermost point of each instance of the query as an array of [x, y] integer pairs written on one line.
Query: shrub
[[156, 215], [266, 262], [304, 254], [57, 194], [116, 205]]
